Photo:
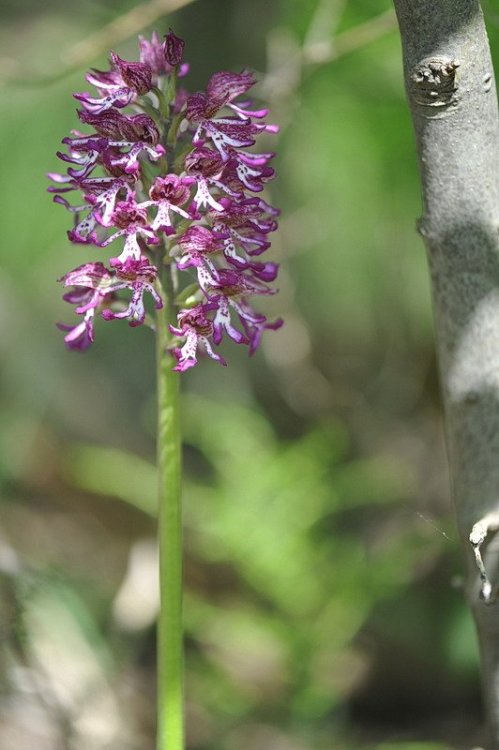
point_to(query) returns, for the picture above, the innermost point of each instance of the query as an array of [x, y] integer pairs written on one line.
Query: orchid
[[165, 180], [166, 175]]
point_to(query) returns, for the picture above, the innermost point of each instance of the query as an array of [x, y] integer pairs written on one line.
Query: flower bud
[[174, 49], [136, 75], [107, 123]]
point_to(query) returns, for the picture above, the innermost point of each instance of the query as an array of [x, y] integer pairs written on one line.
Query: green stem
[[170, 734]]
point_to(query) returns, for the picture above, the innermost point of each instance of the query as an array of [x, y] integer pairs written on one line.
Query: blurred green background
[[323, 606]]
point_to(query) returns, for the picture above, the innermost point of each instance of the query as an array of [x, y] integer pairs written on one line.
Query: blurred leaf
[[113, 473]]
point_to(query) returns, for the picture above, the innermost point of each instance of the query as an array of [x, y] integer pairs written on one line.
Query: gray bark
[[452, 97]]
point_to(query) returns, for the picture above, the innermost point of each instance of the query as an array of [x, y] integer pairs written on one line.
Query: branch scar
[[487, 525], [432, 82]]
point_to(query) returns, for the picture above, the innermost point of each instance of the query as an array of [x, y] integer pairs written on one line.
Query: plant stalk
[[170, 733], [451, 92]]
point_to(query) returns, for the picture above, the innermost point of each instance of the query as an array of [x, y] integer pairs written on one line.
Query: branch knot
[[432, 82]]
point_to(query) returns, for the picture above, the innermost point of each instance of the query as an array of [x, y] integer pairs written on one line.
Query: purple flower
[[90, 152], [81, 335], [139, 277], [153, 54], [113, 91], [197, 329], [251, 170], [175, 192], [117, 87], [196, 245], [112, 124], [131, 220], [95, 289], [92, 284], [92, 277], [207, 166], [222, 89], [243, 227], [226, 133], [222, 322], [169, 194]]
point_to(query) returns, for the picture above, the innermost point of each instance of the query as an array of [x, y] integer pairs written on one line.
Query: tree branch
[[451, 92], [119, 29], [99, 42]]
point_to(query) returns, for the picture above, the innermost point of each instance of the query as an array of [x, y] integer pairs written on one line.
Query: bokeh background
[[323, 604]]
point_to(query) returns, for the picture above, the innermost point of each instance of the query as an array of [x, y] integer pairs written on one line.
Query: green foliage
[[319, 543], [303, 529]]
